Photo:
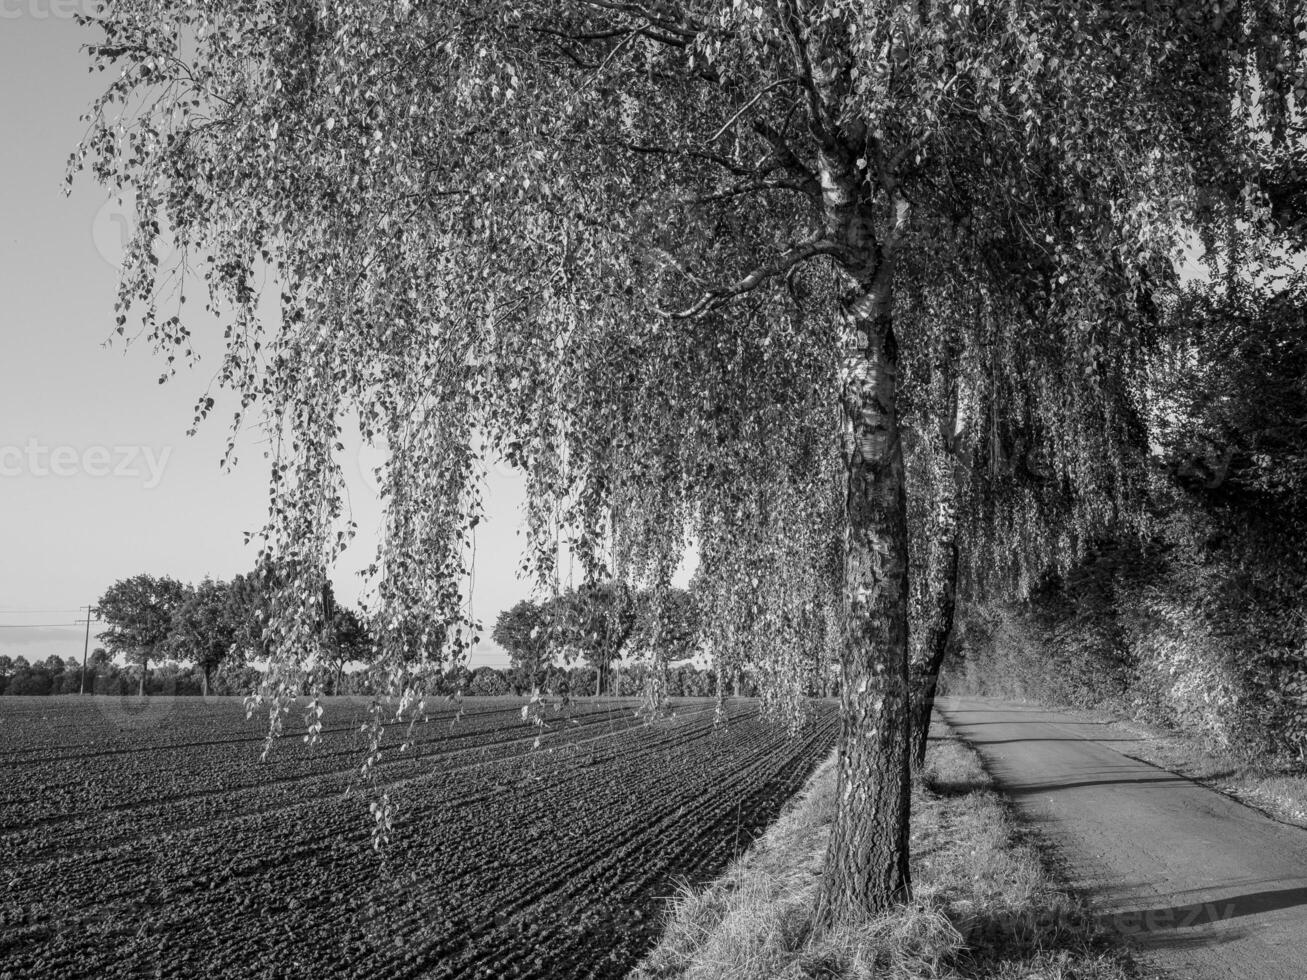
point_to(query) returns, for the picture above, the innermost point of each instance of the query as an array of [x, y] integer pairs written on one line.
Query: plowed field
[[146, 839]]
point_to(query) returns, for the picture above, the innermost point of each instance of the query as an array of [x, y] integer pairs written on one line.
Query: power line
[[35, 626], [60, 609]]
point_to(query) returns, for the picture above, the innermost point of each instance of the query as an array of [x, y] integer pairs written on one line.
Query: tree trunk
[[935, 647], [944, 577], [866, 867], [204, 682], [719, 710]]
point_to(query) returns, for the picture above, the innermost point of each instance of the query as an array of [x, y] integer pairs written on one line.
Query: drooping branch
[[678, 25], [717, 296], [750, 187], [726, 163]]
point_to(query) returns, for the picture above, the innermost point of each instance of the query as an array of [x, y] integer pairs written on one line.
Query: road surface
[[1204, 887]]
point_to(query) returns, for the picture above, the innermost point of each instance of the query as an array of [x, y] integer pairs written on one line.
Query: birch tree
[[671, 258]]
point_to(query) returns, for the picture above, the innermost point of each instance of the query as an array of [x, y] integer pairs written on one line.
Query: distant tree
[[6, 665], [139, 612], [631, 681], [487, 682], [347, 640], [597, 621], [523, 630], [110, 682], [580, 682], [250, 607], [102, 673], [172, 679], [203, 630], [342, 636], [667, 624], [457, 678], [30, 681], [69, 680], [237, 680], [691, 682]]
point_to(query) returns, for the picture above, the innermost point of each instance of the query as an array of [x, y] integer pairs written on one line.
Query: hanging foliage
[[679, 262]]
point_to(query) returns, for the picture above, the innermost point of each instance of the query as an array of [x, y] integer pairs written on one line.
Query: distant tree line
[[56, 675], [194, 640], [209, 636], [217, 626], [608, 638], [683, 680], [597, 625]]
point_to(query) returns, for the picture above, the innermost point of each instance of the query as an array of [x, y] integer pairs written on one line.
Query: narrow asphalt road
[[1204, 887]]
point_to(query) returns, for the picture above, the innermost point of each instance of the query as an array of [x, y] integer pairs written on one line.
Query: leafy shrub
[[29, 682], [1201, 632]]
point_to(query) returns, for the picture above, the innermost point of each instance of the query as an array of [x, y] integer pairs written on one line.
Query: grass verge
[[985, 904]]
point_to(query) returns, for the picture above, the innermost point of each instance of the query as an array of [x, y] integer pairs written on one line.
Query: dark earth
[[147, 839]]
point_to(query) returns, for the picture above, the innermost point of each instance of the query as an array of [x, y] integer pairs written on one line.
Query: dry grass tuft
[[984, 905]]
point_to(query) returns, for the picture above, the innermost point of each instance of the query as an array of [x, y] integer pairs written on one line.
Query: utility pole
[[86, 645]]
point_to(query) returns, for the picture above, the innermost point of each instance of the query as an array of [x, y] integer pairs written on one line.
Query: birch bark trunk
[[866, 866]]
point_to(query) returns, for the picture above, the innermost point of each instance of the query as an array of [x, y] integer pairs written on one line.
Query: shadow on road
[[1164, 927], [1206, 913], [1034, 721], [1019, 789], [1070, 738]]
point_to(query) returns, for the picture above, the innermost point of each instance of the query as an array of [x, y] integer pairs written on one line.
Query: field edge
[[986, 902]]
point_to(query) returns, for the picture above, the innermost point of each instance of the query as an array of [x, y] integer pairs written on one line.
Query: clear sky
[[98, 480]]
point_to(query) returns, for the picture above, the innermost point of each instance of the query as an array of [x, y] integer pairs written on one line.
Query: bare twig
[[750, 104]]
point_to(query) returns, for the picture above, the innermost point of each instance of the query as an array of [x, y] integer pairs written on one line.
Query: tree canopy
[[203, 627], [523, 630], [139, 612], [692, 266], [217, 623]]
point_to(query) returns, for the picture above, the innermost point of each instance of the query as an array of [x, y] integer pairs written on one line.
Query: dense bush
[[28, 682], [1201, 625], [1201, 629]]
